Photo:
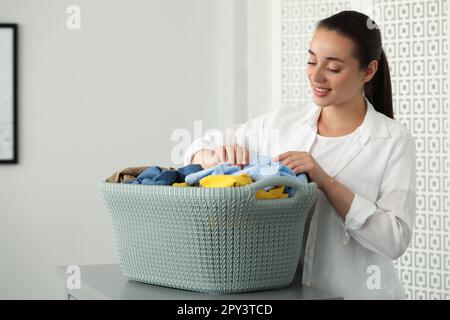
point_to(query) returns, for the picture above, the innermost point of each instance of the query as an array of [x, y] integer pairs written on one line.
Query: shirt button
[[346, 238]]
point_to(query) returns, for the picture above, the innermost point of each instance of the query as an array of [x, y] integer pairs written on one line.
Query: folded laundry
[[127, 174], [181, 184], [156, 175], [263, 166], [221, 168], [219, 176], [258, 168], [275, 193], [224, 181]]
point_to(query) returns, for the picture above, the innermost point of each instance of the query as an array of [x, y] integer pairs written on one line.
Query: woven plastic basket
[[215, 240]]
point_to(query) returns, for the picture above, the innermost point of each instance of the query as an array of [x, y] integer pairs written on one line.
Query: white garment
[[328, 151], [351, 258]]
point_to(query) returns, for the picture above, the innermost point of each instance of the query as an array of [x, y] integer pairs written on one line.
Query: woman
[[362, 160]]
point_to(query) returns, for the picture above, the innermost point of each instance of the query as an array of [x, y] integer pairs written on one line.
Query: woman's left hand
[[301, 162]]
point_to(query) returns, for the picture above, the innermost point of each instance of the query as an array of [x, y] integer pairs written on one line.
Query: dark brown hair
[[367, 39]]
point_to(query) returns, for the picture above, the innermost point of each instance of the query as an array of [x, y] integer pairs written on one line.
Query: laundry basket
[[213, 240]]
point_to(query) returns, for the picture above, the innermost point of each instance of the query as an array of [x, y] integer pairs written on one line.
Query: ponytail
[[378, 90]]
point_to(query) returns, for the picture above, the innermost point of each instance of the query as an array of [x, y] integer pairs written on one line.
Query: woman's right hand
[[233, 154]]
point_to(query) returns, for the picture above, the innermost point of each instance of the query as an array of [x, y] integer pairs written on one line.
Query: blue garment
[[261, 167], [258, 168], [156, 176], [264, 166], [222, 168]]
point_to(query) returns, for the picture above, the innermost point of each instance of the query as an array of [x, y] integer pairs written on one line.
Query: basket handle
[[276, 181]]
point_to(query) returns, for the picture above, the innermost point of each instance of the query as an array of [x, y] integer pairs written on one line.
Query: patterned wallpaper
[[415, 41]]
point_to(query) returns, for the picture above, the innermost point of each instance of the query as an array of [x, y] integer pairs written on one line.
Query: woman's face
[[333, 71]]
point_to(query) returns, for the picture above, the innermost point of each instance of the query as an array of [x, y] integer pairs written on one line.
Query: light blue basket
[[215, 240]]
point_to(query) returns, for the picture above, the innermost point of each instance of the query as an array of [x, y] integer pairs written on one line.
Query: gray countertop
[[106, 281]]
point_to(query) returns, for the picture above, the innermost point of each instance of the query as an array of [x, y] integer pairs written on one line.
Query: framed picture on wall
[[8, 93]]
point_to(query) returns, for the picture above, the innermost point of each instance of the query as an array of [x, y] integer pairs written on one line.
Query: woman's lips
[[321, 92]]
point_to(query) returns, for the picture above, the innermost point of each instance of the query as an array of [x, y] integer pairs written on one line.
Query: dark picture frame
[[8, 94]]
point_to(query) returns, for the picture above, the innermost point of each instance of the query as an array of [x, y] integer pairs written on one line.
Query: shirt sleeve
[[386, 226], [251, 134]]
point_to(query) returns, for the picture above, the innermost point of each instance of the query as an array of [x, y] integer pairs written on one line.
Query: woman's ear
[[370, 71]]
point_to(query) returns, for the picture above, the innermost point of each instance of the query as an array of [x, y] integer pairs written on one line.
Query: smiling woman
[[347, 59], [361, 159]]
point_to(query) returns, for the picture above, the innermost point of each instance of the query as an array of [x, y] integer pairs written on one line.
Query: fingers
[[241, 155], [233, 154], [303, 168], [237, 155], [208, 158], [299, 169], [283, 156], [220, 154], [287, 154], [246, 157], [292, 163]]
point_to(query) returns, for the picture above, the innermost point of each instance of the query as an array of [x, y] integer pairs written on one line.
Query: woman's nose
[[317, 75]]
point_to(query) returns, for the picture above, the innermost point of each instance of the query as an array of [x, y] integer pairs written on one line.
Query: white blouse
[[351, 258]]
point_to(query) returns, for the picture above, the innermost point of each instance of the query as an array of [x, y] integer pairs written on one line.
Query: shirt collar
[[373, 125]]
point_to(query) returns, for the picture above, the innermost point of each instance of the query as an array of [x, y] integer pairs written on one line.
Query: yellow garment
[[275, 193], [224, 181], [180, 184]]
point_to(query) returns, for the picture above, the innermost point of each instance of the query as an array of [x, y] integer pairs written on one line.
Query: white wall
[[264, 56], [90, 102]]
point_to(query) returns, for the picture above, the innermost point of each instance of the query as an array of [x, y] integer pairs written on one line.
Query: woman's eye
[[332, 70]]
